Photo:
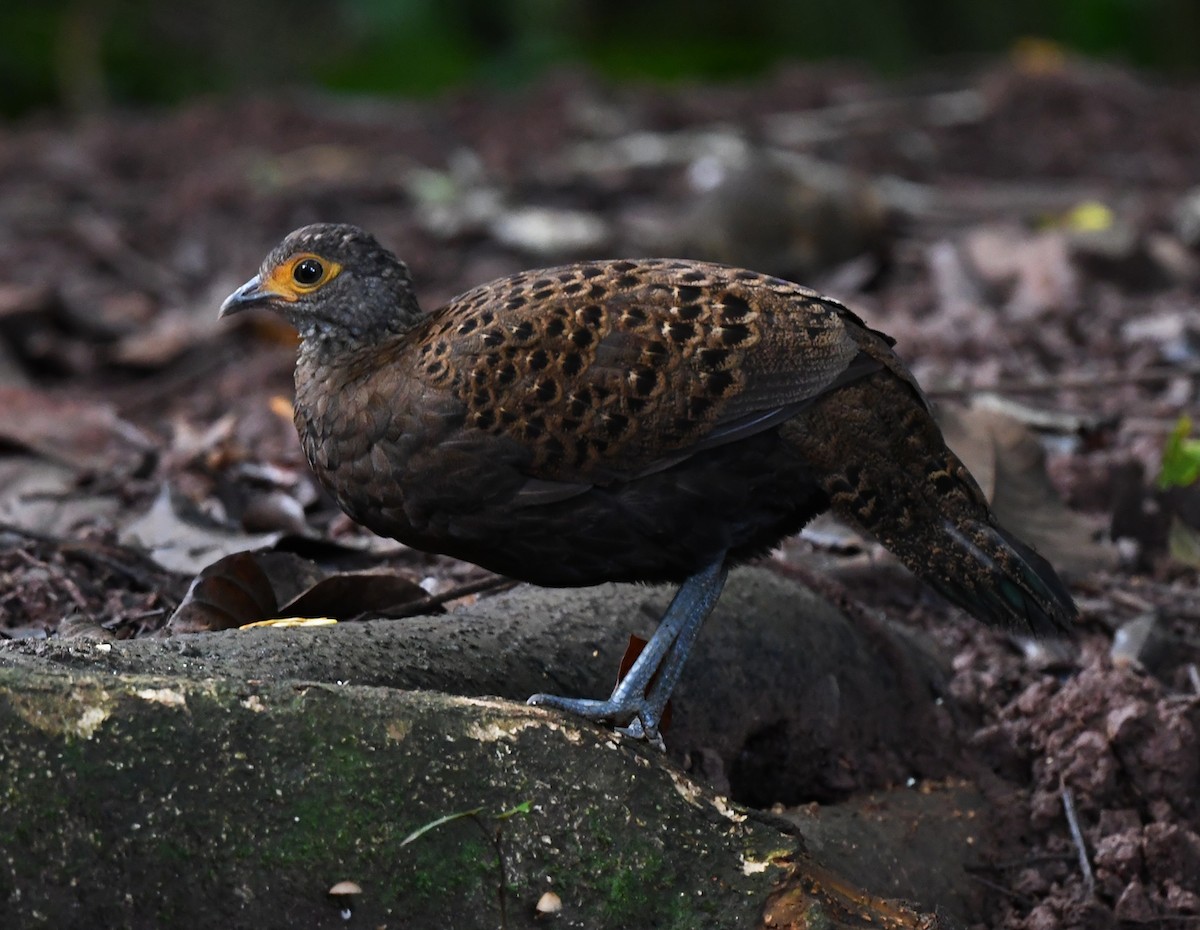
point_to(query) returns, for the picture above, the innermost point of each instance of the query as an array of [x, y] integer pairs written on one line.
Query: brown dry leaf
[[231, 592], [1008, 462], [357, 594], [81, 434], [810, 896], [251, 587]]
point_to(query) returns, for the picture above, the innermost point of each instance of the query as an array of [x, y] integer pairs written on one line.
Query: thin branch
[[490, 585], [1085, 865], [1071, 382]]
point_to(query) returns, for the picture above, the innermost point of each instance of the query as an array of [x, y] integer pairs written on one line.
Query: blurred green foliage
[[1181, 457], [85, 54]]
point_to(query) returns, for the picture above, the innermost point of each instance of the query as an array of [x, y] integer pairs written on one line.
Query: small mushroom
[[548, 905], [343, 892]]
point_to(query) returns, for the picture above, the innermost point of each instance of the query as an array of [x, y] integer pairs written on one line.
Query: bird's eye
[[308, 272]]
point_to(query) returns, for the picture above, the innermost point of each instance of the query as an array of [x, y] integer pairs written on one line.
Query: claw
[[636, 704]]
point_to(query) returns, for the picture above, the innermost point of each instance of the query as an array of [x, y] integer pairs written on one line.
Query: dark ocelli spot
[[538, 359], [591, 315], [733, 334], [735, 307], [583, 338], [572, 364], [468, 325], [719, 382], [623, 266], [627, 281], [644, 380], [507, 374], [546, 390], [681, 332], [590, 271], [654, 352], [944, 483], [515, 303], [713, 358], [523, 330]]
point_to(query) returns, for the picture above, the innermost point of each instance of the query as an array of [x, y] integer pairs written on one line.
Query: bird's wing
[[612, 370]]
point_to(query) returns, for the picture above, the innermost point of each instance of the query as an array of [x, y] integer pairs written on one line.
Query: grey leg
[[638, 700]]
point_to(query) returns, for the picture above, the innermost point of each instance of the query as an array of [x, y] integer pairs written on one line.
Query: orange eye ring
[[302, 274]]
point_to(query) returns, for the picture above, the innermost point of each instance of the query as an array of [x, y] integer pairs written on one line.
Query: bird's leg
[[638, 700]]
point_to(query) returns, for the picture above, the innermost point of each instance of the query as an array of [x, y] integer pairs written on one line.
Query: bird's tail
[[885, 465], [993, 575]]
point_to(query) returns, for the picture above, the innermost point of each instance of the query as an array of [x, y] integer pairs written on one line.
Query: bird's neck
[[325, 343]]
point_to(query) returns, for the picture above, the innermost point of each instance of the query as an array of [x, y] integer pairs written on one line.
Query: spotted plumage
[[648, 420]]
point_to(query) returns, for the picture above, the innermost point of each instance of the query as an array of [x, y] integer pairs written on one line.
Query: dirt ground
[[1030, 233]]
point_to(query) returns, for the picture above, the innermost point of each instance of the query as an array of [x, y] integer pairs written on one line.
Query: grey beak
[[248, 295]]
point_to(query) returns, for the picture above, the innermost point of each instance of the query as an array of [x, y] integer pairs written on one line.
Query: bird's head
[[332, 281]]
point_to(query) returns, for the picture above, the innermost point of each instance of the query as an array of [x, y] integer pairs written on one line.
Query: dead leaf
[[264, 587], [1008, 462], [78, 433], [232, 592], [356, 594]]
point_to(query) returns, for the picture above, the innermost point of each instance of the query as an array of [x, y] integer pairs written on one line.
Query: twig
[[1070, 382], [1024, 900], [492, 584], [1085, 866]]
